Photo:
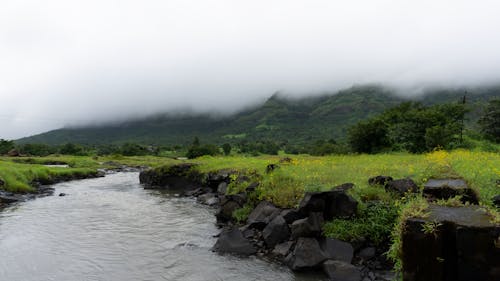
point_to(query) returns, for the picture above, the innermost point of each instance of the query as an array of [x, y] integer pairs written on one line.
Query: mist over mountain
[[279, 118]]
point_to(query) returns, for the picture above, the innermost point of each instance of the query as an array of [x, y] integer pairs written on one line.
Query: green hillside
[[279, 119]]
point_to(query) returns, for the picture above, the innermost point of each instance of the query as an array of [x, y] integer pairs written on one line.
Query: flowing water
[[111, 229]]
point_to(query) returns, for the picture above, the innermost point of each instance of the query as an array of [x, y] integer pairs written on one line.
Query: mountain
[[279, 118]]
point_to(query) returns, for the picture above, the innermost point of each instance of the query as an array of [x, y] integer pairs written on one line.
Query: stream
[[111, 229]]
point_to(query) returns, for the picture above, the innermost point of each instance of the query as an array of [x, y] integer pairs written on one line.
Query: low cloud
[[75, 62]]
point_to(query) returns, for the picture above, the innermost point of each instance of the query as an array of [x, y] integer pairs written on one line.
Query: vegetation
[[490, 121], [294, 122]]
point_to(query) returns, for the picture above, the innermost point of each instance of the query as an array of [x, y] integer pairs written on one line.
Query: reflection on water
[[110, 229]]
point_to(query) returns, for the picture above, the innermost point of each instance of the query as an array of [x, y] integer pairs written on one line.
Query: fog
[[65, 62]]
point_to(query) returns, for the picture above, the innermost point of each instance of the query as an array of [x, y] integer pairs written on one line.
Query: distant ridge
[[279, 119]]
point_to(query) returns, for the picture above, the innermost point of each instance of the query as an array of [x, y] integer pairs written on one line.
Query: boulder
[[271, 167], [458, 243], [496, 201], [222, 188], [232, 241], [341, 271], [448, 188], [262, 215], [291, 215], [308, 227], [276, 232], [281, 250], [379, 180], [209, 199], [332, 204], [337, 250], [228, 204], [367, 253], [214, 179], [181, 176], [8, 198], [307, 254], [251, 187], [402, 186]]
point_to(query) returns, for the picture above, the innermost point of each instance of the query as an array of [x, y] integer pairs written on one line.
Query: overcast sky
[[70, 62]]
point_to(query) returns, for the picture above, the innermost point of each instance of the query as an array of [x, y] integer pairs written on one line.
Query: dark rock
[[262, 215], [341, 271], [214, 179], [367, 253], [271, 167], [402, 186], [276, 232], [448, 188], [291, 215], [7, 198], [232, 241], [181, 176], [222, 188], [307, 227], [496, 201], [379, 180], [228, 204], [209, 199], [461, 245], [334, 203], [286, 160], [307, 254], [251, 187], [337, 250], [280, 251], [248, 232], [62, 194]]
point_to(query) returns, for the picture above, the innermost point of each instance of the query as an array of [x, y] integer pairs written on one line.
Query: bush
[[201, 150]]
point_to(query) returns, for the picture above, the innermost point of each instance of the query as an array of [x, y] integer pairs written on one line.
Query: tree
[[6, 146], [369, 136], [196, 141], [490, 121], [226, 148], [201, 150]]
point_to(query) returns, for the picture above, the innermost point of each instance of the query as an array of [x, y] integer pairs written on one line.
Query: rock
[[7, 198], [379, 180], [228, 204], [496, 201], [367, 253], [248, 232], [209, 199], [181, 176], [251, 187], [222, 188], [458, 244], [271, 167], [448, 188], [307, 254], [214, 179], [402, 186], [2, 183], [332, 204], [307, 227], [280, 251], [276, 232], [232, 241], [341, 271], [291, 215], [62, 194], [262, 215], [337, 250]]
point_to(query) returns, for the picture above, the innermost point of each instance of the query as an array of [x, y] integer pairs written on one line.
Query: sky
[[66, 62]]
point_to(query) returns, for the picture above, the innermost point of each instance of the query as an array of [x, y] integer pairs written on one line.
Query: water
[[110, 229]]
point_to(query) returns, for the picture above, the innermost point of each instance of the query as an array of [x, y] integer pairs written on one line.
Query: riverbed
[[110, 229]]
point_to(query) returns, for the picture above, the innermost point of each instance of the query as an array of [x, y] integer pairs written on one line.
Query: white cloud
[[64, 61]]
